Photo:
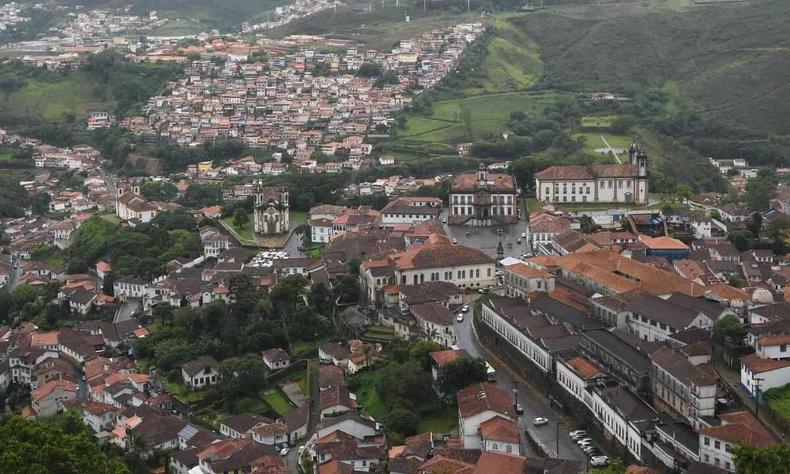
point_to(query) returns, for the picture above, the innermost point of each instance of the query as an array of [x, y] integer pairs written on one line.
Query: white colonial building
[[271, 214], [483, 199], [596, 183]]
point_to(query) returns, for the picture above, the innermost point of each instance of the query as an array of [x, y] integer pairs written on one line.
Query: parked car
[[589, 449], [540, 421], [594, 452], [577, 434], [284, 451], [465, 308], [519, 409], [460, 317], [584, 442], [599, 461]]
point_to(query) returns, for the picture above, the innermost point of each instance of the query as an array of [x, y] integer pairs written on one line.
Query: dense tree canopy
[[31, 447]]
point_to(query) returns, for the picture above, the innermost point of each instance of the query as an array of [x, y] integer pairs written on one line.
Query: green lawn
[[779, 399], [277, 401], [180, 391], [513, 61], [251, 405], [593, 141], [297, 217], [315, 251], [246, 233], [111, 218], [445, 421], [598, 121], [302, 382], [488, 114], [52, 100]]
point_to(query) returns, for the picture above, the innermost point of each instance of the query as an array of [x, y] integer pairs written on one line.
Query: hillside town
[[620, 324], [314, 250]]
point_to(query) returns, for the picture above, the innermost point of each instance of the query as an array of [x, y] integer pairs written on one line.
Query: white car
[[465, 308], [540, 421], [460, 317], [599, 460], [284, 451], [576, 433]]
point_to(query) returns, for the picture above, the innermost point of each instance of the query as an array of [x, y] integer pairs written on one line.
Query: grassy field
[[489, 114], [111, 218], [246, 234], [729, 59], [53, 100], [445, 421], [593, 141], [512, 62], [181, 392], [779, 400], [381, 28], [598, 121], [277, 401]]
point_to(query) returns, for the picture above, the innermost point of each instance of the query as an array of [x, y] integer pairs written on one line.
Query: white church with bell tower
[[626, 183]]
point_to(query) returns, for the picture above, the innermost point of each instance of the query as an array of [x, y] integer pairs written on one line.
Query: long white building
[[596, 183]]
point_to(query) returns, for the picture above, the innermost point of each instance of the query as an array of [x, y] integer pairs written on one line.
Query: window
[[727, 465], [509, 449], [495, 446], [717, 445], [783, 348], [727, 448]]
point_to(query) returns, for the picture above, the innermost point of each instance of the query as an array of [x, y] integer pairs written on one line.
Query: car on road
[[577, 434], [599, 461], [444, 220], [455, 241], [284, 451], [465, 308], [590, 449], [519, 409], [540, 421], [460, 317], [584, 442]]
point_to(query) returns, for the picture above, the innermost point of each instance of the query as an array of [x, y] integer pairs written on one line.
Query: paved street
[[126, 311], [487, 238], [534, 405]]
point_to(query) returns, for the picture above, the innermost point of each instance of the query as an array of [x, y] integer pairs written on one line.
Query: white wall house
[[763, 373], [477, 404], [532, 350], [200, 372]]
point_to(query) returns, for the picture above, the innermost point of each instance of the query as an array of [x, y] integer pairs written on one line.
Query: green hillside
[[732, 61]]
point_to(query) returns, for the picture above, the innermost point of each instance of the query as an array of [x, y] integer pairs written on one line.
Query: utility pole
[[423, 5]]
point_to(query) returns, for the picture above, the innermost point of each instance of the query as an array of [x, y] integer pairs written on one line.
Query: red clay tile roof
[[481, 397], [468, 182], [585, 368], [741, 427], [499, 429], [757, 364], [578, 172], [445, 357], [491, 462], [439, 255]]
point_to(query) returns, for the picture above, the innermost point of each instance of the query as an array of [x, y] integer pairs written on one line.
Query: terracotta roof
[[433, 312], [757, 364], [774, 340], [492, 462], [584, 368], [578, 172], [494, 182], [500, 429], [524, 270], [741, 428], [441, 358], [439, 254], [50, 387], [662, 243], [481, 397]]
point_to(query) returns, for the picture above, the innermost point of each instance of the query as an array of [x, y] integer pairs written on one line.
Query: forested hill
[[731, 60]]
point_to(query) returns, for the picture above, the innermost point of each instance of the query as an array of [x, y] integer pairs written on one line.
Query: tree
[[31, 446], [240, 218], [369, 70], [765, 460], [40, 204], [616, 467], [729, 329], [403, 421], [460, 373], [736, 280], [683, 191], [756, 224], [758, 194], [242, 377]]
